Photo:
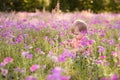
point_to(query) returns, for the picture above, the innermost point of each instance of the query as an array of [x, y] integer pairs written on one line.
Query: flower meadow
[[32, 47]]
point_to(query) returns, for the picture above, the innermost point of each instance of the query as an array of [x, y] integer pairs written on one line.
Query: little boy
[[79, 30], [80, 43]]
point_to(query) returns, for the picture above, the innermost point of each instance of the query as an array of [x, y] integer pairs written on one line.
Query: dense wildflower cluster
[[32, 47]]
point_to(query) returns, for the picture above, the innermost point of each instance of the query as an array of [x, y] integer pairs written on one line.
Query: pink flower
[[107, 63], [34, 67], [104, 40], [114, 77], [117, 64], [41, 52], [114, 54], [46, 38], [4, 72], [7, 60], [50, 52], [30, 78], [104, 78], [102, 57], [99, 61], [118, 45], [119, 38]]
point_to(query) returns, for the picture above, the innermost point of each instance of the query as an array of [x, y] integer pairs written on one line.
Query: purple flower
[[25, 35], [29, 56], [31, 78], [102, 34], [111, 41], [58, 70], [38, 49], [29, 47], [84, 43], [66, 54], [70, 55], [2, 64], [91, 42], [101, 49], [19, 38], [62, 58], [1, 26], [57, 74], [19, 70], [25, 53]]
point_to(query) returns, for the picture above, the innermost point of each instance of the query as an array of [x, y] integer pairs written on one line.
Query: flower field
[[32, 47]]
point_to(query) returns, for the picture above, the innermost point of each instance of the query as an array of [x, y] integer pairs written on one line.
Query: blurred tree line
[[65, 5]]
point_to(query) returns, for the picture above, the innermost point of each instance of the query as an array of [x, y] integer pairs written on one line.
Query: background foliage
[[65, 5]]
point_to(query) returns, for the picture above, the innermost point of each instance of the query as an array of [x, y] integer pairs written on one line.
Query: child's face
[[78, 36], [76, 31]]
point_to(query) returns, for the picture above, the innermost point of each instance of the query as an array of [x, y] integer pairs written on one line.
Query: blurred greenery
[[65, 5]]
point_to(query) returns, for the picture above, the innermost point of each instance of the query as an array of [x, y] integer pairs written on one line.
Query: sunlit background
[[34, 33], [65, 5]]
